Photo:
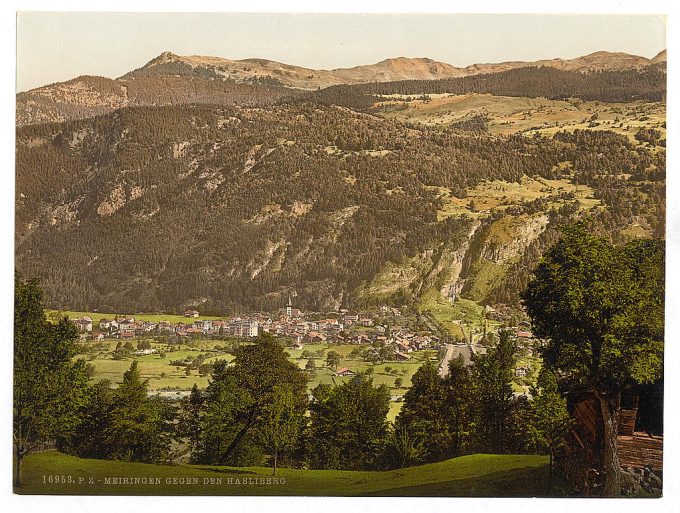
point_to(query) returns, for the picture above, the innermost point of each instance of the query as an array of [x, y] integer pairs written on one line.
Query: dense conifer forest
[[230, 208], [531, 82]]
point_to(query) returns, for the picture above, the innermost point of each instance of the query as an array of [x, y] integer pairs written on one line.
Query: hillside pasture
[[499, 195], [162, 374], [508, 115], [98, 316], [478, 475]]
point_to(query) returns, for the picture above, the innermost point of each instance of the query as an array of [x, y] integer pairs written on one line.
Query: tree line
[[533, 82]]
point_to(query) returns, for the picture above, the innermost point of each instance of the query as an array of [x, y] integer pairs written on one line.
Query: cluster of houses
[[343, 326], [127, 327]]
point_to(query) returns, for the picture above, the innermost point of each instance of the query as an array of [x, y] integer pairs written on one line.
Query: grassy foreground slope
[[475, 475]]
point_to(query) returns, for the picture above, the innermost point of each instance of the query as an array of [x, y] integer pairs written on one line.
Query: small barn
[[639, 440], [345, 372]]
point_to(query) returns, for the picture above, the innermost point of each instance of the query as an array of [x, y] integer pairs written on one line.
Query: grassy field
[[97, 316], [508, 115], [478, 475], [500, 195], [442, 310], [486, 275], [394, 279], [156, 368], [160, 372]]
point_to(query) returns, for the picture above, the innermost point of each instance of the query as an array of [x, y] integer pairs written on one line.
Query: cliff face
[[508, 237], [456, 264]]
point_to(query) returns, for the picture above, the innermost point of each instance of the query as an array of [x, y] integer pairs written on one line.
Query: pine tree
[[141, 427], [424, 414], [493, 373], [49, 387], [348, 425]]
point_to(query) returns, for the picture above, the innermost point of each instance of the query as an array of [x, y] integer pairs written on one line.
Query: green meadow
[[478, 475], [97, 316], [163, 375]]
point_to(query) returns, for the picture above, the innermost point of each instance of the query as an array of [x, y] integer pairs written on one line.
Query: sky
[[57, 46]]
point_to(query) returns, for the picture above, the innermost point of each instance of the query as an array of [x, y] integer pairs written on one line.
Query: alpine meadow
[[245, 277]]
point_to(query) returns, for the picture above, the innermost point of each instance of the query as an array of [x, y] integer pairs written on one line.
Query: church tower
[[289, 308]]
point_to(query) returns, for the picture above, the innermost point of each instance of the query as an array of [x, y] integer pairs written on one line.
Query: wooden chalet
[[640, 437]]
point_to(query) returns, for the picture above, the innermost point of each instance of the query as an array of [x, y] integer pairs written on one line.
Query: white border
[[671, 499]]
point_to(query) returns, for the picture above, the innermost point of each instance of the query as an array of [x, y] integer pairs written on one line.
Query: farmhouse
[[314, 337], [345, 372], [191, 313], [84, 323], [401, 357], [403, 346], [351, 318]]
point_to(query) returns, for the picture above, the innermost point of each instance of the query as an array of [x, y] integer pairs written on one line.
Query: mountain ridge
[[395, 68], [170, 79]]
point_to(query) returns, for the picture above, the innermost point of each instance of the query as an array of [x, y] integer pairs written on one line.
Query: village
[[388, 334]]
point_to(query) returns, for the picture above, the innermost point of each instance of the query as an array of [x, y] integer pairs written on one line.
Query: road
[[453, 351]]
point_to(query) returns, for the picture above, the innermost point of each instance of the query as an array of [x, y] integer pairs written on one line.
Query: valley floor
[[478, 475]]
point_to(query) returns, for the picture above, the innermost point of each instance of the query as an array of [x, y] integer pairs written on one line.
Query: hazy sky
[[53, 47]]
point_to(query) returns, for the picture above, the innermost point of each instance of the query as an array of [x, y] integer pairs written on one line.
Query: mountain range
[[171, 79], [224, 186]]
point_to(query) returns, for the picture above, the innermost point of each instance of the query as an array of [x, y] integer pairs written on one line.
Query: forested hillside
[[231, 208], [87, 96], [608, 86]]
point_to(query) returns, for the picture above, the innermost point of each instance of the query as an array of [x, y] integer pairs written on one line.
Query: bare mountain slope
[[171, 79], [591, 62], [400, 68], [85, 97], [660, 58]]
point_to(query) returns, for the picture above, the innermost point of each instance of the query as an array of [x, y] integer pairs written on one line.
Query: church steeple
[[289, 307]]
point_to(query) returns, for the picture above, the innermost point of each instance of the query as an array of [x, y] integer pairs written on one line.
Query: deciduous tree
[[239, 397], [548, 422], [601, 310], [281, 424], [333, 359]]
